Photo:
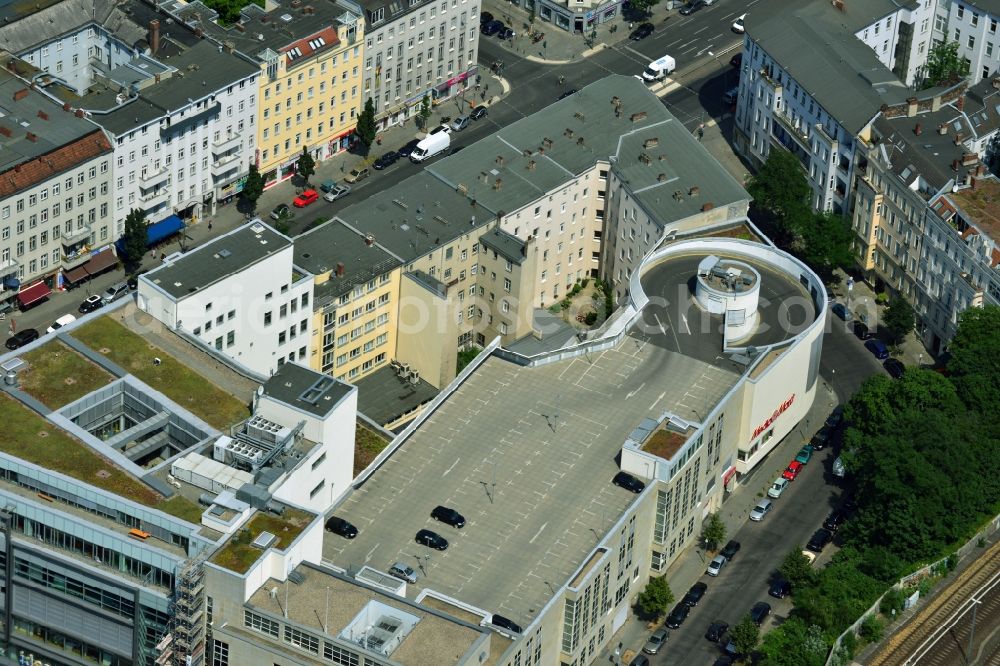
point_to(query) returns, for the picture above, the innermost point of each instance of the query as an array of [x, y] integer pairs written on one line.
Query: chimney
[[67, 107], [943, 129], [693, 191], [918, 129], [649, 143], [839, 4], [369, 241], [17, 168], [960, 103], [228, 47], [154, 36], [20, 94], [43, 115], [969, 159], [497, 184], [707, 207], [340, 269], [5, 131], [954, 165], [499, 160], [32, 137], [636, 117], [911, 107], [958, 138], [199, 33], [79, 113]]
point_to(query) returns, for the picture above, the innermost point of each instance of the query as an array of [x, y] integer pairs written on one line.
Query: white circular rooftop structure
[[729, 287]]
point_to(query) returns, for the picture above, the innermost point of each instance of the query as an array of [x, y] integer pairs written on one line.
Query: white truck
[[432, 144], [658, 69]]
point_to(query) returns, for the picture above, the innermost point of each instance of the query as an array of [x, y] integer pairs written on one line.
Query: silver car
[[460, 123], [762, 509], [715, 566], [337, 191], [658, 638], [403, 572]]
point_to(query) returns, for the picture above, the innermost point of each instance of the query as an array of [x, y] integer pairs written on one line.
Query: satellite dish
[[260, 390]]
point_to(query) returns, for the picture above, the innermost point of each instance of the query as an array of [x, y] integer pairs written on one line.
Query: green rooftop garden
[[171, 377], [57, 375], [367, 445], [239, 553]]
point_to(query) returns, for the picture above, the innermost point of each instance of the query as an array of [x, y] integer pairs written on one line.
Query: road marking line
[[632, 393], [704, 27], [658, 399], [537, 534], [452, 467], [660, 324], [686, 327], [368, 557]]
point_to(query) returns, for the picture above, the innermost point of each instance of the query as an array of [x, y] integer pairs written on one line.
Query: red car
[[306, 198], [793, 470]]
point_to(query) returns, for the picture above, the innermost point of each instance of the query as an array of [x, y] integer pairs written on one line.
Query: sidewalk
[[689, 567]]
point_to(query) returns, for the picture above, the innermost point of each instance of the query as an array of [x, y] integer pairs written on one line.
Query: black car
[[280, 211], [569, 92], [341, 527], [820, 439], [408, 148], [759, 612], [505, 33], [133, 280], [491, 28], [485, 18], [386, 159], [92, 303], [695, 594], [642, 32], [861, 330], [780, 588], [510, 625], [478, 112], [894, 367], [22, 338], [431, 540], [677, 616], [628, 482], [716, 631], [692, 7], [818, 541], [730, 550], [835, 520], [448, 516], [833, 420]]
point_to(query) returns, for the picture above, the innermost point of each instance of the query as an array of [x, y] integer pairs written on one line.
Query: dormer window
[[378, 15]]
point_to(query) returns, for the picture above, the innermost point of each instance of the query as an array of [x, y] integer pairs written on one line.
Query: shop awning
[[33, 294], [102, 260], [75, 274], [165, 227]]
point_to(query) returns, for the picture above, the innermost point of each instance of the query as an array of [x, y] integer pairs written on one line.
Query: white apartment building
[[417, 49], [901, 37], [55, 194], [974, 25], [239, 296]]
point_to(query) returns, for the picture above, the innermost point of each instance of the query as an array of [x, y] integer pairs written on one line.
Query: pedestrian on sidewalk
[[209, 225]]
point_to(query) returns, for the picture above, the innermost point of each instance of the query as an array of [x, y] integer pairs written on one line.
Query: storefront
[[32, 295], [99, 262]]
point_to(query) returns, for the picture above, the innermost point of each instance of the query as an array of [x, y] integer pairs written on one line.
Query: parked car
[[643, 31], [506, 33], [460, 123], [431, 540], [133, 280], [780, 588], [861, 330], [22, 338], [730, 96], [677, 616], [759, 612], [448, 516], [762, 509], [628, 482], [736, 61], [777, 487], [478, 112], [358, 174], [738, 26], [114, 292], [819, 539], [639, 660], [341, 527], [504, 623], [695, 594], [386, 159], [491, 28], [92, 303], [804, 454], [792, 470], [838, 469], [327, 185], [691, 7], [878, 349], [730, 549], [833, 420], [821, 438], [571, 91], [59, 323], [408, 148], [339, 191], [403, 572], [307, 197], [841, 311], [894, 367], [835, 520], [715, 566], [658, 638], [280, 211], [716, 631], [485, 18], [723, 660]]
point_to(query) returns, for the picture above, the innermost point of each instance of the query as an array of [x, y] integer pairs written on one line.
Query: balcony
[[151, 178], [76, 236], [76, 257], [797, 133], [226, 166], [226, 143], [154, 198]]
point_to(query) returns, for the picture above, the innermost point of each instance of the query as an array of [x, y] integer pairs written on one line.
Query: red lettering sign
[[774, 417]]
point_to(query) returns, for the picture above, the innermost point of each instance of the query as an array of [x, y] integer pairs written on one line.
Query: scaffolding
[[184, 645]]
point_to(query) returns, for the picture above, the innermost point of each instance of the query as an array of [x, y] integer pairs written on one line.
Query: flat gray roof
[[384, 397], [814, 42], [548, 436], [218, 259], [306, 389], [505, 244], [322, 249]]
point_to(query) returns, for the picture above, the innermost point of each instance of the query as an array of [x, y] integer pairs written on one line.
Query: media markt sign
[[773, 417]]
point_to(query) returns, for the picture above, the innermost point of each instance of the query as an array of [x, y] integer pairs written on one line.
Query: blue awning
[[166, 227]]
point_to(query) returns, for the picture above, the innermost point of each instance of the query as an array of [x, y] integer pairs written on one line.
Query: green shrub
[[585, 282], [871, 629], [892, 602], [590, 319], [565, 304]]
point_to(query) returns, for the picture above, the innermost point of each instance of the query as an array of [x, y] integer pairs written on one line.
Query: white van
[[659, 68], [431, 145]]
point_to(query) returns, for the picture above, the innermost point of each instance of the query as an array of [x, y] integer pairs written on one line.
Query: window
[[260, 623], [300, 639], [220, 653]]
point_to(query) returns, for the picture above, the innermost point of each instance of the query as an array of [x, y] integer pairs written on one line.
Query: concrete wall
[[428, 332]]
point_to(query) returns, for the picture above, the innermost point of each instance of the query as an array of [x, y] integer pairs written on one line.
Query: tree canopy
[[656, 598], [944, 66], [366, 128], [134, 239], [229, 10], [899, 319], [306, 166], [713, 531], [253, 187]]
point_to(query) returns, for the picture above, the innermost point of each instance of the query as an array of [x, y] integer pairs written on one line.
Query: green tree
[[944, 66], [306, 166], [796, 568], [253, 187], [229, 10], [975, 359], [746, 635], [134, 239], [780, 188], [898, 319], [794, 643], [713, 531], [823, 241], [871, 628], [656, 598], [425, 110], [643, 7], [366, 129]]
